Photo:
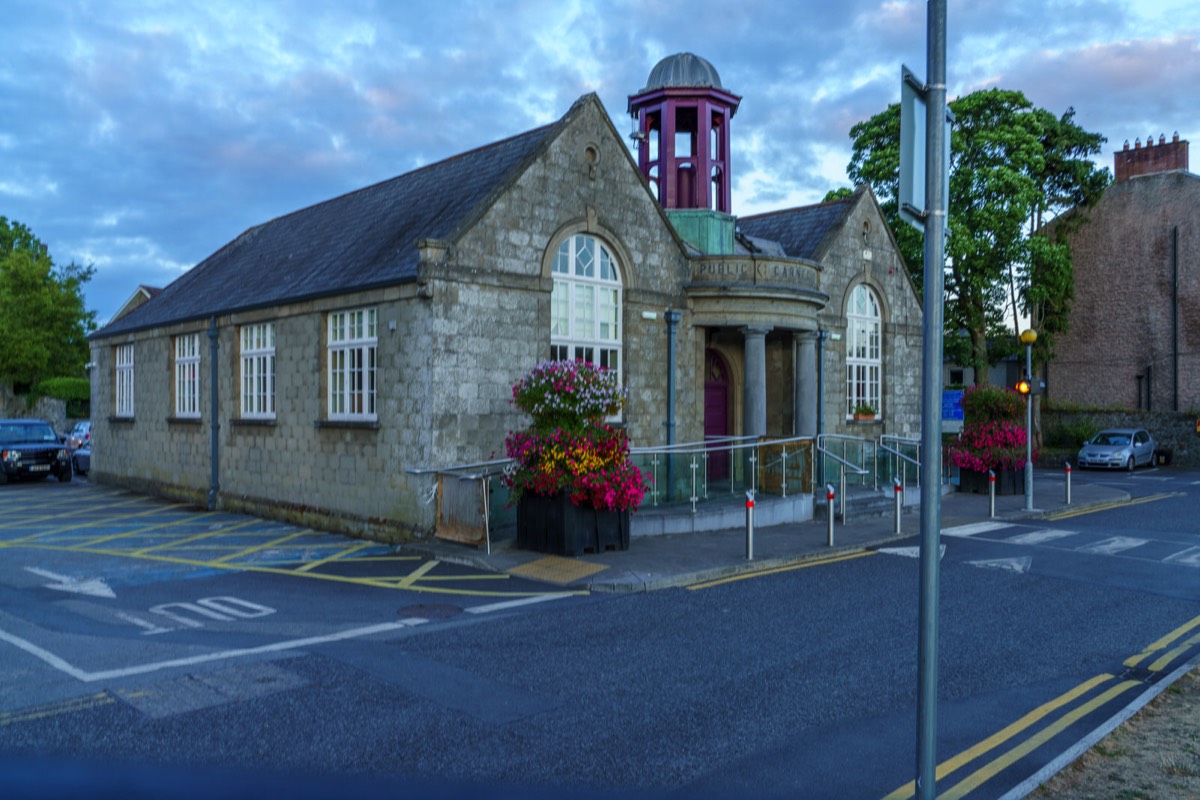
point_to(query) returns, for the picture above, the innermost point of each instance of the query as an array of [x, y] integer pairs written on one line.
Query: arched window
[[585, 304], [863, 350]]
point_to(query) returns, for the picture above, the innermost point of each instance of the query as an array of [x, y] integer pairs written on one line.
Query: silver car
[[1118, 448]]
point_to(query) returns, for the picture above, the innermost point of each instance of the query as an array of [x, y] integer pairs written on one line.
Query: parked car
[[29, 448], [80, 435], [81, 459], [1118, 448]]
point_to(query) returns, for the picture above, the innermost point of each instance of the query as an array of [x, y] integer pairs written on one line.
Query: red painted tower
[[682, 127]]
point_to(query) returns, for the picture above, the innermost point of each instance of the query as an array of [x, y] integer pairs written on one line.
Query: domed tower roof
[[683, 69]]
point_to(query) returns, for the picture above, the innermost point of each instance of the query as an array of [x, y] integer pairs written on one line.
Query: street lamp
[[1028, 337]]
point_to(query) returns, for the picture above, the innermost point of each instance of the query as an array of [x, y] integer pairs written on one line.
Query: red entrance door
[[716, 410]]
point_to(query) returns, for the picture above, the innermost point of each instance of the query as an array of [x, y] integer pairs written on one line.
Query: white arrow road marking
[[1189, 557], [974, 528], [1112, 546], [1041, 536], [1019, 565], [911, 552], [93, 586]]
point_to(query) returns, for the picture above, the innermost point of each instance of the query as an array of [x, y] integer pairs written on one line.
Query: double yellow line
[[1011, 756], [758, 573], [1136, 501]]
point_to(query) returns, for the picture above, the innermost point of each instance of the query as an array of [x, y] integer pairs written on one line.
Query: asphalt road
[[146, 644]]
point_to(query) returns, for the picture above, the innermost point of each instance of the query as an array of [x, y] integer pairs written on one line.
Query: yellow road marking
[[323, 576], [990, 770], [78, 512], [1117, 504], [198, 537], [106, 521], [57, 709], [416, 574], [311, 565], [773, 570], [1159, 664], [1162, 643], [998, 738], [245, 551]]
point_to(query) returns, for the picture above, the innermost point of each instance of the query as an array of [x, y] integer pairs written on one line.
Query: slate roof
[[361, 240], [799, 231]]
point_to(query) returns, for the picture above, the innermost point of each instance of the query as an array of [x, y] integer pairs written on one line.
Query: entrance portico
[[763, 297]]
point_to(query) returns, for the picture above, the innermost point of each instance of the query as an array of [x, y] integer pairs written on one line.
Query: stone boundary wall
[[51, 409], [1172, 430]]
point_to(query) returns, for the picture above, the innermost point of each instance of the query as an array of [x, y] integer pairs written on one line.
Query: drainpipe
[[821, 334], [672, 318], [214, 425], [1175, 309]]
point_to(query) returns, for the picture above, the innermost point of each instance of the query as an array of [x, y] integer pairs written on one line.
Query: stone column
[[755, 389], [804, 394]]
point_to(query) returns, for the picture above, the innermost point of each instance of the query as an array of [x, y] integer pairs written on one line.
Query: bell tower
[[681, 124]]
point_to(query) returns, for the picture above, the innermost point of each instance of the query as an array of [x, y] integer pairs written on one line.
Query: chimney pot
[[1126, 144], [1137, 144], [1175, 138], [1162, 138]]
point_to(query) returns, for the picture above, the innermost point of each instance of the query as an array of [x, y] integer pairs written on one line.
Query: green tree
[[1011, 166], [43, 322]]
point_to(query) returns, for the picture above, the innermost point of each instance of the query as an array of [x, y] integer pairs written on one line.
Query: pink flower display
[[568, 447]]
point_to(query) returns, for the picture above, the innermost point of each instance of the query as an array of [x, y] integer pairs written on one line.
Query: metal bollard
[[992, 493], [1068, 466], [842, 489], [829, 495], [899, 487], [750, 525]]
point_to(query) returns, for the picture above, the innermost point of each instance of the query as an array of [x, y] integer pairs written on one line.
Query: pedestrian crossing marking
[[1041, 536], [1112, 545], [1189, 557]]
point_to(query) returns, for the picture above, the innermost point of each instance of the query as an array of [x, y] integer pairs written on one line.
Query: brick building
[[1134, 337], [337, 346]]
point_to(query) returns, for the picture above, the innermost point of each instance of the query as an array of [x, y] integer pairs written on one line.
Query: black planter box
[[1008, 481], [553, 524]]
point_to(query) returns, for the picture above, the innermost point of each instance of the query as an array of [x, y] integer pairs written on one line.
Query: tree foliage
[[43, 322], [1012, 166]]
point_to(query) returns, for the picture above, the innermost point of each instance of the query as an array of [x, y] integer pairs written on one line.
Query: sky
[[139, 137]]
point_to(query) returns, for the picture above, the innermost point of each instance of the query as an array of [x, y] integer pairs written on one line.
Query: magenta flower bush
[[993, 435], [568, 447]]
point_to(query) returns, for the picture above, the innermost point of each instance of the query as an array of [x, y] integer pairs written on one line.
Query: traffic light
[[1024, 387]]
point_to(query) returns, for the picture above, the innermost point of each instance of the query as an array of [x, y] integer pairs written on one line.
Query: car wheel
[[1153, 458], [1130, 464], [64, 476]]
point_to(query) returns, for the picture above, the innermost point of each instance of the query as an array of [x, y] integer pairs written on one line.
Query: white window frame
[[350, 374], [187, 376], [864, 350], [258, 370], [123, 394], [586, 304]]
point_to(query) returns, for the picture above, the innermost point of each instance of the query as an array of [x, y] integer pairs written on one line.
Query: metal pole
[[899, 487], [931, 385], [829, 495], [750, 526], [1068, 465], [992, 493], [1029, 430], [842, 489]]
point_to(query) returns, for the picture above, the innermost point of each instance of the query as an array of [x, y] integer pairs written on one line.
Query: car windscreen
[[16, 434], [1111, 439]]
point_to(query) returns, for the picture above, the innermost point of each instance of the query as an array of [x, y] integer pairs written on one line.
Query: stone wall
[[1172, 431], [50, 409], [866, 253]]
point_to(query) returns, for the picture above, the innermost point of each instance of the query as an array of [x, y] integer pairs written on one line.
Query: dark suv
[[29, 448]]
